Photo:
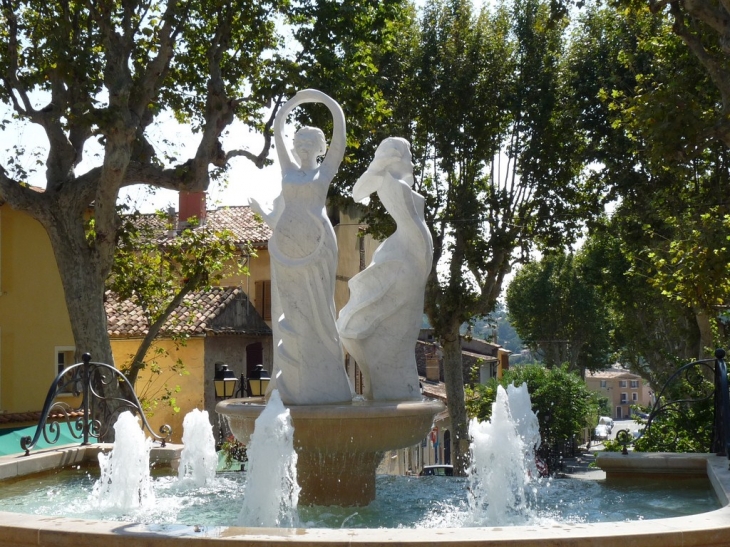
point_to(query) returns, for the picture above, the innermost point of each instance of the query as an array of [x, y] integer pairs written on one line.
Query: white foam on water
[[125, 481], [271, 492], [503, 461], [198, 460]]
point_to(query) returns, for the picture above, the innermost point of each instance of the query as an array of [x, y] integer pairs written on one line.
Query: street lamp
[[225, 381], [258, 381]]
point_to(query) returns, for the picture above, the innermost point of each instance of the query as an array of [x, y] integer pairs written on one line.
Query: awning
[[10, 439]]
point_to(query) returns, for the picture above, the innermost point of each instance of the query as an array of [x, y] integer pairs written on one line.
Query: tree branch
[[154, 329], [20, 197]]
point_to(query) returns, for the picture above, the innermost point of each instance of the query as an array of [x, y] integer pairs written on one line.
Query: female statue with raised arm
[[379, 325], [308, 358]]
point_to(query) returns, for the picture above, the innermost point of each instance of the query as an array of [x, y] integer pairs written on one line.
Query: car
[[607, 421], [437, 470], [601, 432]]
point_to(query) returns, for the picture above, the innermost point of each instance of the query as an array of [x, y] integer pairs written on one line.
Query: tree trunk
[[83, 286], [704, 323], [82, 276], [454, 377]]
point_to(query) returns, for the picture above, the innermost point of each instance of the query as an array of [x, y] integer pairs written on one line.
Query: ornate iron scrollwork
[[708, 380], [97, 412]]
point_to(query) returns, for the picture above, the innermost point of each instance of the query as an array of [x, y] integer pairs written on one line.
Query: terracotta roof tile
[[240, 220], [126, 320], [34, 416], [612, 373]]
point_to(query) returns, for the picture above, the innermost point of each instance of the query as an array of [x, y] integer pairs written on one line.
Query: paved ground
[[581, 466]]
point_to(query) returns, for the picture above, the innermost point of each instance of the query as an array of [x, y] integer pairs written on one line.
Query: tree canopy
[[559, 312], [481, 98], [106, 73]]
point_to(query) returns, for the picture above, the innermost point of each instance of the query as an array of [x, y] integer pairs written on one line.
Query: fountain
[[338, 440], [198, 459], [125, 472]]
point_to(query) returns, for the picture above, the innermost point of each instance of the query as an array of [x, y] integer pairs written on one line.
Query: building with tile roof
[[219, 325], [623, 389], [227, 324]]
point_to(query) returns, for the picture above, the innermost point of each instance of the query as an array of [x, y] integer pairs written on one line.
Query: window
[[263, 299], [64, 358], [604, 383], [624, 398], [622, 383], [635, 397], [635, 384]]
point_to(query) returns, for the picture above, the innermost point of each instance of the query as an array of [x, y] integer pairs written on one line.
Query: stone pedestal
[[339, 446]]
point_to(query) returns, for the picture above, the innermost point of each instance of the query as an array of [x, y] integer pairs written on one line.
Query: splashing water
[[503, 462], [125, 473], [271, 492], [198, 460]]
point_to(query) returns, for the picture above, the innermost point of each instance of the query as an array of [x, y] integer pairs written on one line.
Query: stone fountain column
[[339, 446]]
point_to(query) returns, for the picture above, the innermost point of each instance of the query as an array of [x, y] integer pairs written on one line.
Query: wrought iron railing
[[97, 413], [697, 376]]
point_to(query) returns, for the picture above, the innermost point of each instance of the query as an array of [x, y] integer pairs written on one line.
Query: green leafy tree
[[156, 268], [701, 27], [651, 105], [104, 72], [563, 404], [480, 85], [652, 334], [107, 72], [559, 312]]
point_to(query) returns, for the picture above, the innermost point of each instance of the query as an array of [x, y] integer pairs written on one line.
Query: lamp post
[[225, 382], [258, 381]]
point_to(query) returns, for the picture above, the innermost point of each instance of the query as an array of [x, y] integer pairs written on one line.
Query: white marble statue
[[379, 325], [308, 357]]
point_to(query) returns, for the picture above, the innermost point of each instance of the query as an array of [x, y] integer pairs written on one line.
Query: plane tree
[[480, 98], [556, 305], [105, 73], [648, 105]]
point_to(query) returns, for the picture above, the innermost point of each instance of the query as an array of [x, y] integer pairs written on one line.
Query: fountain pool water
[[426, 499], [402, 502], [502, 490]]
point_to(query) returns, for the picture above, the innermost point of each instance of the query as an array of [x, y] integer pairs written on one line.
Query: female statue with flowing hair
[[308, 358], [379, 326]]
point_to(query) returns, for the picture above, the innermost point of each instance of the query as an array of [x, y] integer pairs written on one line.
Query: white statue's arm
[[336, 150], [286, 161], [271, 217]]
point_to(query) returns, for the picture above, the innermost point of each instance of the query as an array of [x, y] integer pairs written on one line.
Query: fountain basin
[[339, 446], [706, 529]]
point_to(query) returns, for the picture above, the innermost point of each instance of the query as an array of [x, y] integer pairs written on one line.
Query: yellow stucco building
[[36, 341], [35, 332]]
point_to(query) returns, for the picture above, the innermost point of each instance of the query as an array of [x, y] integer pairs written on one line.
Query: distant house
[[481, 360], [221, 326], [622, 388], [231, 323]]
